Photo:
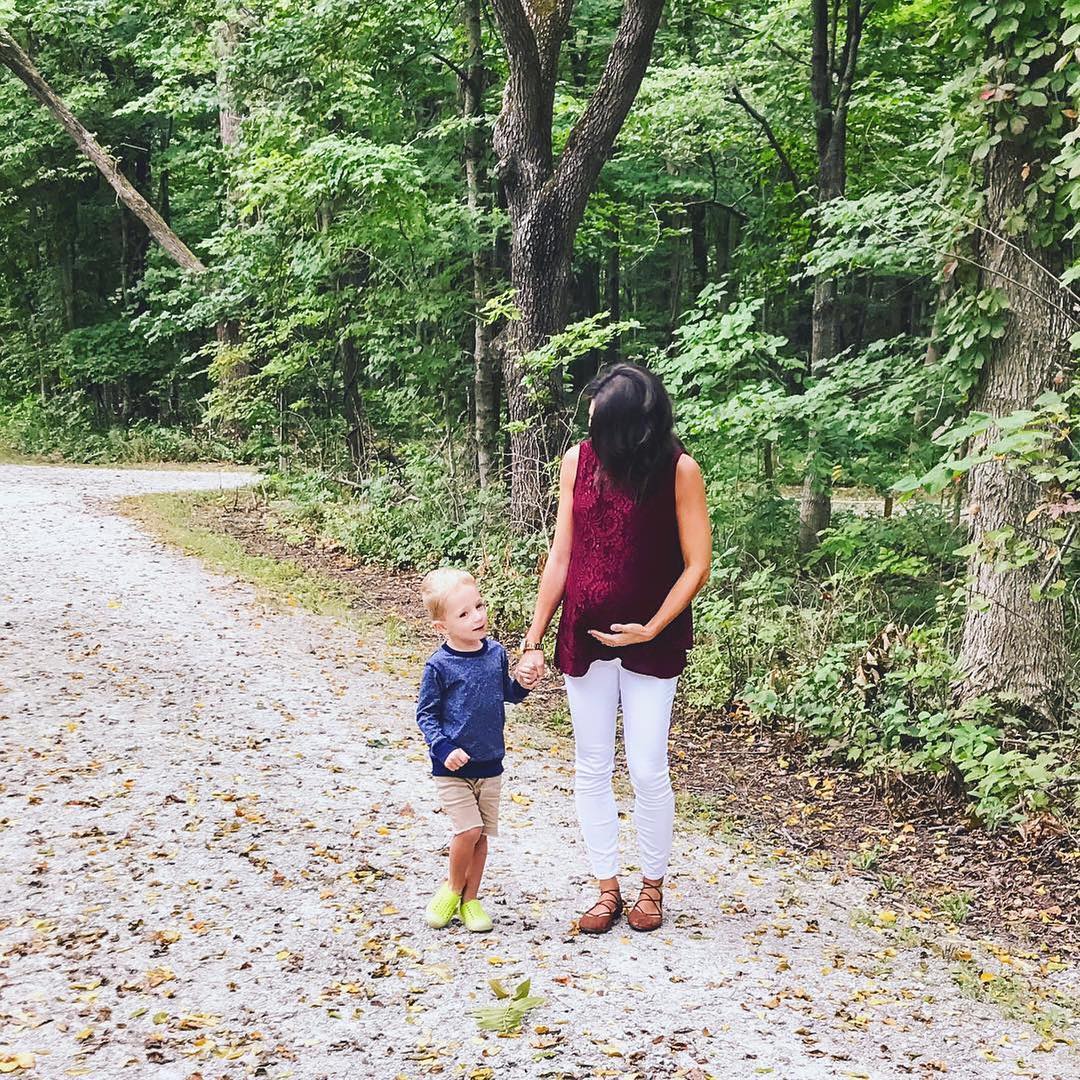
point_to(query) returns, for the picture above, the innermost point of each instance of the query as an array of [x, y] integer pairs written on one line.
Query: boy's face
[[464, 617]]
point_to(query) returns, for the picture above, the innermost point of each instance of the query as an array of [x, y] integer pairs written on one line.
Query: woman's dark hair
[[631, 426]]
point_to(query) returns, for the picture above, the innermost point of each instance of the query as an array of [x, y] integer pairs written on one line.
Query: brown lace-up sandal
[[648, 912], [601, 917]]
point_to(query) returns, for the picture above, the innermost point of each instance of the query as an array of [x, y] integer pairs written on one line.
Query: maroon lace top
[[624, 559]]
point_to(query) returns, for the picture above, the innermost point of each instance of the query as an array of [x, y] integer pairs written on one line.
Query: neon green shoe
[[475, 918], [442, 907]]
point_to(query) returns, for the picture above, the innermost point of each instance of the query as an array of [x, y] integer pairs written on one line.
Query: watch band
[[526, 646]]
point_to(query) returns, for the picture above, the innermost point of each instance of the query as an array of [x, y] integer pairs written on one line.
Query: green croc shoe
[[442, 907], [475, 918]]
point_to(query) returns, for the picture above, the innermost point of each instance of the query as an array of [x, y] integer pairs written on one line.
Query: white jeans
[[646, 706]]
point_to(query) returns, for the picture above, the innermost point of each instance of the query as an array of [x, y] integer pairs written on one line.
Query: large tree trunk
[[1013, 645], [13, 57], [545, 201], [540, 256]]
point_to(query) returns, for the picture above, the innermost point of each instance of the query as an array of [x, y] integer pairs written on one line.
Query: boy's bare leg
[[462, 852], [476, 870]]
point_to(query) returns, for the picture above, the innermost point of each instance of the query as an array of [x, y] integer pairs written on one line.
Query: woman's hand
[[530, 668], [632, 633]]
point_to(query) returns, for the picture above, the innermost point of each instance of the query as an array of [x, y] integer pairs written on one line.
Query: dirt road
[[217, 837]]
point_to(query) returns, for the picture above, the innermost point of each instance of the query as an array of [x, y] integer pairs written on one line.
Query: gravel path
[[217, 837]]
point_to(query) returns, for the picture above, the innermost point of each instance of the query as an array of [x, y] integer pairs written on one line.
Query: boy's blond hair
[[438, 585]]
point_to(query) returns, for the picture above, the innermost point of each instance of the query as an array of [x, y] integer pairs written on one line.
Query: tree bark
[[1015, 646], [815, 506], [13, 57], [233, 365], [485, 374], [613, 288], [546, 201], [699, 255]]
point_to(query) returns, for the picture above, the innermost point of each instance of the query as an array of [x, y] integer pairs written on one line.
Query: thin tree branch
[[460, 72], [792, 56], [737, 98]]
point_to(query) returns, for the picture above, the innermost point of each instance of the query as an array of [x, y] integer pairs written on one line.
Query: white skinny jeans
[[646, 706]]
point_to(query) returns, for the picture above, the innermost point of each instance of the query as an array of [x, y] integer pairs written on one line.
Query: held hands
[[624, 634], [456, 759], [530, 668], [527, 678]]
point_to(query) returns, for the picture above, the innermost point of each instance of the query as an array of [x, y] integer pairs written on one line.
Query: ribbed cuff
[[441, 749]]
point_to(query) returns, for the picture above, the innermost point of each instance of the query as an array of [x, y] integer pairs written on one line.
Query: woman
[[632, 547]]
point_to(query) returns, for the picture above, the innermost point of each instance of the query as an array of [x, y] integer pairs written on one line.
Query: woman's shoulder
[[685, 465], [569, 467]]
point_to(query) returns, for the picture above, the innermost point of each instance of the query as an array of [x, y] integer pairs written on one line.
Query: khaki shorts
[[470, 803]]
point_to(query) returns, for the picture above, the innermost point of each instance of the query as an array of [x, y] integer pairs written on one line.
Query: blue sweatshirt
[[461, 707]]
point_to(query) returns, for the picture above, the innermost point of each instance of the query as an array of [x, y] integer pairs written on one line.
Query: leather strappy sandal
[[647, 914], [600, 921]]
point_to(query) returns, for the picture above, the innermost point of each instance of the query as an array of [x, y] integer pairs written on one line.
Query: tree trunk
[[540, 267], [815, 508], [613, 288], [13, 57], [1012, 645], [485, 373], [546, 201], [699, 256], [233, 365], [676, 263]]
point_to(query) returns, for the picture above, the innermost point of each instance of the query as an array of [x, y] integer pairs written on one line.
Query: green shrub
[[64, 428], [803, 644], [884, 707]]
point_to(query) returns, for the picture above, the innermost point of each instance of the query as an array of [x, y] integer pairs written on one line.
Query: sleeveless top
[[625, 557]]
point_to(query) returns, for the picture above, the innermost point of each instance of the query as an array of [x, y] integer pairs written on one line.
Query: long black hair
[[631, 426]]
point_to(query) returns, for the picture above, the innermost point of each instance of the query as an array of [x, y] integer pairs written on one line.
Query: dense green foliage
[[331, 338]]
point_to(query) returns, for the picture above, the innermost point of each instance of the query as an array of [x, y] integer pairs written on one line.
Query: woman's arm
[[553, 579], [695, 539]]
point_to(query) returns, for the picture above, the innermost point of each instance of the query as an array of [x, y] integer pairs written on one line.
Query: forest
[[378, 251]]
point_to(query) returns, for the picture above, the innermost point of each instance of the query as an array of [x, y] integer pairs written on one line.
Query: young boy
[[460, 711]]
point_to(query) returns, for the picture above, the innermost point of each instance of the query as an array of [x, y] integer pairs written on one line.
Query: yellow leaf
[[611, 1050], [521, 800], [114, 603], [987, 976], [283, 954], [13, 1062], [496, 961], [84, 1034], [390, 910], [886, 917], [755, 879]]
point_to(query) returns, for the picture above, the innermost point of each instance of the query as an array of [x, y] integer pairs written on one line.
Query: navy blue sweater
[[461, 707]]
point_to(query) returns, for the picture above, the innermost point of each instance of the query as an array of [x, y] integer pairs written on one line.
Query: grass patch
[[1047, 1011], [281, 583]]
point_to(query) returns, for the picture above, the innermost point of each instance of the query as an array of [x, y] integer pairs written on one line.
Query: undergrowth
[[852, 649], [66, 430]]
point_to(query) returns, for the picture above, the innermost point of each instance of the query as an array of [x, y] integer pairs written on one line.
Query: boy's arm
[[513, 691], [429, 715]]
